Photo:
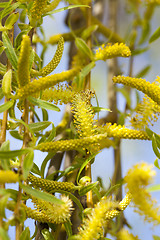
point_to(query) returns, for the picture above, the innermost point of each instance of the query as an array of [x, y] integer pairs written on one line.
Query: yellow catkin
[[123, 234], [8, 177], [92, 227], [59, 95], [83, 115], [121, 207], [23, 74], [45, 82], [73, 144], [38, 9], [55, 61], [46, 211], [150, 89], [119, 131], [137, 179], [49, 185], [54, 213], [110, 51], [146, 112]]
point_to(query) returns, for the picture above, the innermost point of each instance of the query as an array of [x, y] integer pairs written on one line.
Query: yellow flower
[[119, 131], [92, 227], [38, 9], [59, 95], [150, 89], [146, 112], [8, 177], [55, 61], [45, 82], [110, 51], [23, 72], [83, 114], [73, 144], [137, 179], [123, 234], [49, 185], [54, 213]]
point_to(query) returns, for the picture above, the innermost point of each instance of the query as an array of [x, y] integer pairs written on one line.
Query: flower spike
[[23, 73], [55, 61]]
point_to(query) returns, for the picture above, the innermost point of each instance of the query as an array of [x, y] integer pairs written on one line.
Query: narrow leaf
[[82, 46], [43, 104], [25, 235], [41, 195], [155, 35], [10, 52], [11, 20], [52, 134], [28, 163], [6, 106], [68, 228], [3, 234], [143, 72], [43, 166], [47, 235], [6, 83], [156, 163], [5, 163], [155, 147], [14, 153], [16, 135], [35, 169], [87, 188], [39, 126], [66, 8]]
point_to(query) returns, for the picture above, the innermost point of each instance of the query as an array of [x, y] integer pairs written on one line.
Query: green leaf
[[68, 228], [75, 237], [28, 163], [44, 114], [11, 20], [43, 104], [6, 106], [25, 235], [5, 163], [9, 8], [85, 189], [154, 188], [112, 189], [149, 132], [155, 147], [87, 32], [14, 153], [139, 51], [35, 169], [157, 137], [65, 8], [99, 109], [84, 164], [156, 237], [16, 135], [12, 193], [52, 134], [41, 195], [39, 126], [47, 235], [3, 204], [3, 234], [82, 46], [6, 83], [156, 163], [10, 52], [3, 68], [155, 35], [47, 158], [143, 72]]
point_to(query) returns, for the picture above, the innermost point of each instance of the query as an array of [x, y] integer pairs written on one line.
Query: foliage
[[26, 83]]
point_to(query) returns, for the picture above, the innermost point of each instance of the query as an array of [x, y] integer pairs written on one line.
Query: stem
[[25, 144], [88, 86]]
